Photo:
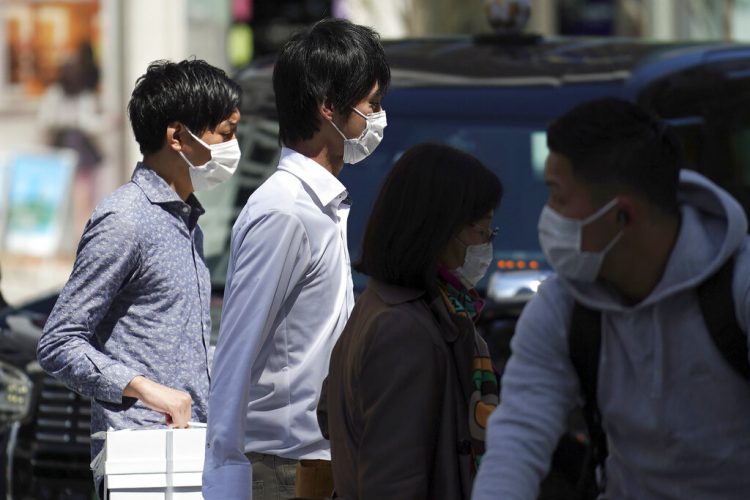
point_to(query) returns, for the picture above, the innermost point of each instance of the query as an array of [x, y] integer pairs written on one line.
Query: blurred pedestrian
[[411, 383], [70, 117], [131, 328], [646, 319], [289, 288]]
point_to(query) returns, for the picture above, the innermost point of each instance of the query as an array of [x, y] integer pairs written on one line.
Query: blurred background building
[[67, 68]]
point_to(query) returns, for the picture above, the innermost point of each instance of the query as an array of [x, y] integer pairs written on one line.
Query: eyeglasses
[[488, 234]]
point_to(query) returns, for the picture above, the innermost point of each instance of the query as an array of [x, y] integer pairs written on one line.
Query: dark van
[[493, 96]]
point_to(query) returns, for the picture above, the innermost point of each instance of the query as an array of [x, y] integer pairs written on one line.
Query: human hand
[[174, 404]]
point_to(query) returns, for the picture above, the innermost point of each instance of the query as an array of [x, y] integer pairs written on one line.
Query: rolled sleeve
[[269, 256], [107, 255]]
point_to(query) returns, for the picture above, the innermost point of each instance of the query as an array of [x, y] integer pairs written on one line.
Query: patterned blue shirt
[[136, 303]]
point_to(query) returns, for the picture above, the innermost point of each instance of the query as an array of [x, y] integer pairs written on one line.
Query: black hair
[[613, 143], [430, 195], [191, 92], [335, 60]]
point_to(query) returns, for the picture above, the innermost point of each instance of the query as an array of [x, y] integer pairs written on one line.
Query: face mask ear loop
[[198, 139], [368, 125], [190, 163], [459, 240], [612, 243], [591, 218], [369, 116], [339, 131], [359, 113]]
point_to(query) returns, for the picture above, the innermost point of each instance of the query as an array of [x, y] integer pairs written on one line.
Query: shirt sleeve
[[269, 256], [539, 389], [107, 256], [397, 442]]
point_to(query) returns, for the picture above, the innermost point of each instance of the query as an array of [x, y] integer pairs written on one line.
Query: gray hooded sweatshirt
[[676, 414]]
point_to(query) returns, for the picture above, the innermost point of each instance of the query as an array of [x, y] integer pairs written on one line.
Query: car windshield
[[515, 153]]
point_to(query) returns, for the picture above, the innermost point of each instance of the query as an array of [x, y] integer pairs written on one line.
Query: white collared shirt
[[287, 298]]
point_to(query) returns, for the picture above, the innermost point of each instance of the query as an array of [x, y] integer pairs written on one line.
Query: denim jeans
[[273, 477]]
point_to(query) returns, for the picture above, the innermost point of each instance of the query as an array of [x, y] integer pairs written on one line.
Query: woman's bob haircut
[[430, 195]]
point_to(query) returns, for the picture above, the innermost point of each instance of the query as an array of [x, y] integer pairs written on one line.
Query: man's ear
[[628, 209], [325, 108], [173, 136]]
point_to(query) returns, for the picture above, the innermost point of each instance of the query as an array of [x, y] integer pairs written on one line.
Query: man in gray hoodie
[[631, 237]]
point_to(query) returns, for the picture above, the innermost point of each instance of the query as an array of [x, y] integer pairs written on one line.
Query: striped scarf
[[484, 397]]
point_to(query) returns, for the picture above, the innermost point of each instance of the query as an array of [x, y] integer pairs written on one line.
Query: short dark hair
[[615, 143], [191, 92], [334, 59], [430, 195]]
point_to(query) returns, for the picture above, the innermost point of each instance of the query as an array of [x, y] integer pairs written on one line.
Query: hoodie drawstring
[[658, 343]]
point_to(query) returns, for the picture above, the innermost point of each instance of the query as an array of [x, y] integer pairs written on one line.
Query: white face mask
[[225, 156], [560, 239], [477, 261], [356, 150]]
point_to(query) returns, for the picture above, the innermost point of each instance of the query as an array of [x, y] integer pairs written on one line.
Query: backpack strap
[[717, 305], [584, 343]]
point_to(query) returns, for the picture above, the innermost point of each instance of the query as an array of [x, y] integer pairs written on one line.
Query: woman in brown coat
[[410, 383]]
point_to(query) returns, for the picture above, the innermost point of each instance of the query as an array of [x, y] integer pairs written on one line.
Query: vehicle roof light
[[507, 17]]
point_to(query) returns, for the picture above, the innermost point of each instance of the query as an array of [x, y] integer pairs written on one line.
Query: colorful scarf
[[485, 394]]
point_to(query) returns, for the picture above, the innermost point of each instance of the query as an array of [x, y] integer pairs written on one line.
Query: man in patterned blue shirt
[[131, 327]]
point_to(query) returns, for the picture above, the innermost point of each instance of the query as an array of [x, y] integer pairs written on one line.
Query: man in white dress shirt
[[289, 288]]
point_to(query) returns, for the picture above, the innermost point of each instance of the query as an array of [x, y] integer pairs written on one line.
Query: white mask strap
[[612, 243], [591, 218], [198, 139], [339, 131]]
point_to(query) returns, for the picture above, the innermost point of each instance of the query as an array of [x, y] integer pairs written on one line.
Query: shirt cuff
[[228, 481], [114, 379]]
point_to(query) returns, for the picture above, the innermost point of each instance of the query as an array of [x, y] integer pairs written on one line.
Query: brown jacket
[[395, 403]]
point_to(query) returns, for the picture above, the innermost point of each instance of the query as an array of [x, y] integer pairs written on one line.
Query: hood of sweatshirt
[[713, 226]]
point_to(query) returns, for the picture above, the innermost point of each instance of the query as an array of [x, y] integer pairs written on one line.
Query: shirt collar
[[326, 187], [153, 186], [195, 205]]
